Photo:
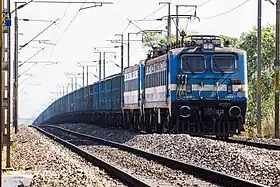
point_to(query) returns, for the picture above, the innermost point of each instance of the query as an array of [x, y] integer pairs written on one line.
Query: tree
[[248, 42], [232, 40], [158, 40]]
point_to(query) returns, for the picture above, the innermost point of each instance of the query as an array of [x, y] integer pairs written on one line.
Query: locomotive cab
[[208, 87]]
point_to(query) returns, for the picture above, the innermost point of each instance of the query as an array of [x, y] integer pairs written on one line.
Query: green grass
[[267, 130]]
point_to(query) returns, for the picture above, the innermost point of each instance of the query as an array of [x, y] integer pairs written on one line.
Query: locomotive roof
[[106, 78], [156, 59], [177, 51], [131, 68]]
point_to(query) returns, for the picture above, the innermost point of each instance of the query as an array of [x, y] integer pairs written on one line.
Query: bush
[[267, 117], [268, 130]]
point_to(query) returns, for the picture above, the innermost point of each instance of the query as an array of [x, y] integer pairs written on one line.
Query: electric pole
[[177, 23], [15, 76], [177, 18], [99, 63], [87, 76], [259, 88], [76, 83], [104, 64], [277, 69], [121, 51], [72, 84], [128, 41], [9, 72], [100, 66], [128, 49], [168, 25], [1, 89], [5, 87], [122, 99], [83, 76]]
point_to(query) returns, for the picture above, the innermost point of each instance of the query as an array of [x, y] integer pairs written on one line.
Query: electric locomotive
[[199, 88]]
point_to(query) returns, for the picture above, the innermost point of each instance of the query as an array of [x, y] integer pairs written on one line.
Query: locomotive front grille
[[209, 108]]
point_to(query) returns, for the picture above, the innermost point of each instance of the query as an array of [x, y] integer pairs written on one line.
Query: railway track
[[248, 143], [115, 172], [212, 176]]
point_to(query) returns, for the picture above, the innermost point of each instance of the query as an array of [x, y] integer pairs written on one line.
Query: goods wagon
[[87, 104]]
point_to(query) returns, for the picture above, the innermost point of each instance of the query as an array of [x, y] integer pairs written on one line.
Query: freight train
[[198, 87]]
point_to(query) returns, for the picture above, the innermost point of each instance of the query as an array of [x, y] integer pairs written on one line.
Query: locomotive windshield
[[193, 63], [223, 63]]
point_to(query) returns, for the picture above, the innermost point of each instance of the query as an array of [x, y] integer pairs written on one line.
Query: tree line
[[248, 42]]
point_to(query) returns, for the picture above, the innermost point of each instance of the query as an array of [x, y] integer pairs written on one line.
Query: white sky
[[95, 25]]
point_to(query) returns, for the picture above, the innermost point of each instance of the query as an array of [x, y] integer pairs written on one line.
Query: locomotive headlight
[[240, 93], [205, 46], [208, 46]]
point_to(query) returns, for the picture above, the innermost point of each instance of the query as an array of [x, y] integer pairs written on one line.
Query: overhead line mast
[[259, 87], [277, 68], [168, 24]]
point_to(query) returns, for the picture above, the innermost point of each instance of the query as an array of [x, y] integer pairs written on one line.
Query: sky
[[40, 84]]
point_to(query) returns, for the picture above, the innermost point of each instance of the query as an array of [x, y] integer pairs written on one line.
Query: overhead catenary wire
[[110, 60], [230, 10], [126, 27], [28, 69], [149, 15], [31, 56], [65, 11], [204, 3], [198, 6], [64, 14], [145, 18], [150, 40], [67, 27], [38, 34], [23, 81], [220, 14], [62, 17], [154, 12]]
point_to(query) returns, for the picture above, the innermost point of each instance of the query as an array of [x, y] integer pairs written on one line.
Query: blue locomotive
[[198, 87]]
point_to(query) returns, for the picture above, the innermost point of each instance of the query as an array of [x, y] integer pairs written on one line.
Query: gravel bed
[[149, 171], [259, 165], [258, 140], [117, 135], [53, 165]]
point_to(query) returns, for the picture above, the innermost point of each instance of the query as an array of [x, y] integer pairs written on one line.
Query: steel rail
[[112, 170], [197, 171], [248, 143]]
